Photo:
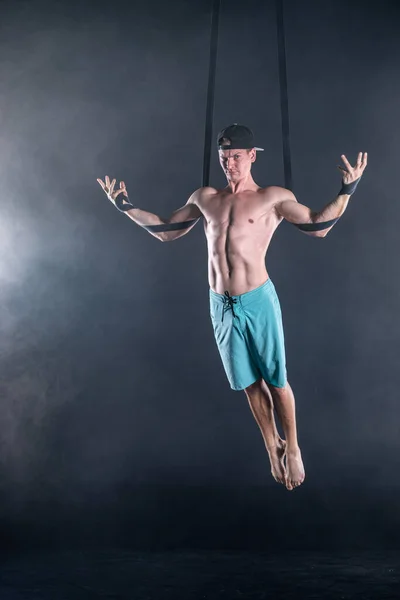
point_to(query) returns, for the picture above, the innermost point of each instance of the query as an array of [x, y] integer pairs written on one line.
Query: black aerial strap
[[287, 161], [211, 91], [216, 9]]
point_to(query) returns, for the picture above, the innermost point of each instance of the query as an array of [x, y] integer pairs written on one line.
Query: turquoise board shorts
[[248, 330]]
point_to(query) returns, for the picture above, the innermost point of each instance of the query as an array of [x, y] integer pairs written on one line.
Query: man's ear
[[253, 155]]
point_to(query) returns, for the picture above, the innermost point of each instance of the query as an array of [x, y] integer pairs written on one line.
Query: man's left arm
[[317, 224]]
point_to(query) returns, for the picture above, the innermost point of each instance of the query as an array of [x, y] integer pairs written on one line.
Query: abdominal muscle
[[236, 257], [239, 229], [241, 278]]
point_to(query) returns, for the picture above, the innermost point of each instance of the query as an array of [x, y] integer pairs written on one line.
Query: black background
[[117, 422]]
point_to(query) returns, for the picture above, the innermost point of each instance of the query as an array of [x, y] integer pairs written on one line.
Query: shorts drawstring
[[228, 303]]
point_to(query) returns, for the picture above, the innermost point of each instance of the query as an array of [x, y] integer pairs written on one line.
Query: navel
[[251, 221]]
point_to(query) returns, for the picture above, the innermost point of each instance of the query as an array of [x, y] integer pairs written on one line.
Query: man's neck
[[243, 185]]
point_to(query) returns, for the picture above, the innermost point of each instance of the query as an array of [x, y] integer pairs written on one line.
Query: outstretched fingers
[[108, 187], [122, 190], [347, 164], [105, 184], [361, 163], [112, 186]]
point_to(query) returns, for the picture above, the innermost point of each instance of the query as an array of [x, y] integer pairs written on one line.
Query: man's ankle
[[275, 444], [292, 448]]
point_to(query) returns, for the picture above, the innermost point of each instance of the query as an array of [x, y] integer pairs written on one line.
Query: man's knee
[[278, 391], [254, 388], [261, 384]]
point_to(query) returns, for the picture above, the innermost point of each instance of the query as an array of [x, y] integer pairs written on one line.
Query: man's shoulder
[[276, 193], [202, 193], [276, 190]]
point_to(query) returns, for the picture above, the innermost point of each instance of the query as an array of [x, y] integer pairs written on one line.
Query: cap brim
[[234, 148]]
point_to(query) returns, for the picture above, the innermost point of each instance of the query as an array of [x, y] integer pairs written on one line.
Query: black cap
[[235, 137]]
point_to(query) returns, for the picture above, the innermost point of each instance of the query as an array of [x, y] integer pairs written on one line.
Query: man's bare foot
[[294, 468], [276, 458]]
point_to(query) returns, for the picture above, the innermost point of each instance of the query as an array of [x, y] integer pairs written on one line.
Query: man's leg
[[283, 400], [261, 405]]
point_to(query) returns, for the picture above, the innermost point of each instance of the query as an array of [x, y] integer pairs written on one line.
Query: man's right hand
[[109, 188]]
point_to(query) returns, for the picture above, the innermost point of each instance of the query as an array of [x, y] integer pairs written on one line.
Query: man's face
[[236, 164]]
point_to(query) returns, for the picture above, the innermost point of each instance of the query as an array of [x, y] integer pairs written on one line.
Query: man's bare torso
[[239, 228]]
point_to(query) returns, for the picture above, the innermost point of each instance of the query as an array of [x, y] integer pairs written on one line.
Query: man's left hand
[[350, 173]]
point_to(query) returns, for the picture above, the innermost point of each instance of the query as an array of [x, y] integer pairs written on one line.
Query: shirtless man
[[239, 222]]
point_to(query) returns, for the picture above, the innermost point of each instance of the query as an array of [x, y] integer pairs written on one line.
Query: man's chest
[[237, 211]]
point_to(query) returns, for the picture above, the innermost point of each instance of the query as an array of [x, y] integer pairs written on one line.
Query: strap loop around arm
[[170, 226], [317, 226]]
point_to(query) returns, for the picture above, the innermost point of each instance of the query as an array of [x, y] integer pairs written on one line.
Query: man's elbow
[[162, 236], [169, 236], [316, 234]]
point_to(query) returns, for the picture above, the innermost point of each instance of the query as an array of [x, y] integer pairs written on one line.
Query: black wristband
[[122, 203], [349, 188]]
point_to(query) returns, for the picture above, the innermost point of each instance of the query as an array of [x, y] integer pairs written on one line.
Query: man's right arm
[[166, 230]]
